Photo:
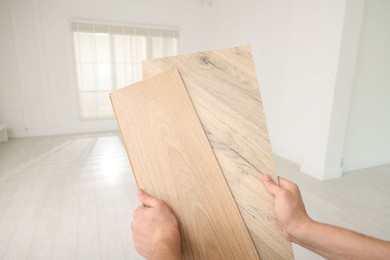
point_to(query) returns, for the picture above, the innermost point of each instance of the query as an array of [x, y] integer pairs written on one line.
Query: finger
[[270, 185], [146, 199], [284, 183], [138, 212]]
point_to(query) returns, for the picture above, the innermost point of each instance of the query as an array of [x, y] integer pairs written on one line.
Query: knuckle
[[137, 212], [295, 188]]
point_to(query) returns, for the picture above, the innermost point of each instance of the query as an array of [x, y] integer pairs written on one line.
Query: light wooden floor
[[72, 197]]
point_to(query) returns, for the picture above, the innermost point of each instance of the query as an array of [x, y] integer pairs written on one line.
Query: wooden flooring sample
[[223, 87], [172, 159]]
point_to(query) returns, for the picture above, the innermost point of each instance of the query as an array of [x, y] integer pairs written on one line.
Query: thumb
[[270, 185], [146, 199]]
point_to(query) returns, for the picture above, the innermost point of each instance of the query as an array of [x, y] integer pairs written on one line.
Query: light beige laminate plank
[[172, 159], [110, 244], [223, 87], [88, 245]]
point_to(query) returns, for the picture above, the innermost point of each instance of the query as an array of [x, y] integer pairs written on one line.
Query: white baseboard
[[62, 131], [322, 173], [348, 167]]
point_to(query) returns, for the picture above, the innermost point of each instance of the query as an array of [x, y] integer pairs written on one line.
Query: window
[[109, 57]]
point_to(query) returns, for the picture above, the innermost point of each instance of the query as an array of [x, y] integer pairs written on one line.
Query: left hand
[[154, 226]]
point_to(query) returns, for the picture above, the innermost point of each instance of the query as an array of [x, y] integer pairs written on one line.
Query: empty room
[[194, 129]]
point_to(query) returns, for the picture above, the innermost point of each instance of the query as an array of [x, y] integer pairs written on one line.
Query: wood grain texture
[[172, 159], [223, 87]]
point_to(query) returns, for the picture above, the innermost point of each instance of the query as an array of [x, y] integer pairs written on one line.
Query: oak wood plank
[[223, 87], [172, 159]]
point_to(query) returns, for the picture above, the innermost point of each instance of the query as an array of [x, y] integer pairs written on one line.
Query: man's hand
[[326, 240], [289, 208], [155, 228]]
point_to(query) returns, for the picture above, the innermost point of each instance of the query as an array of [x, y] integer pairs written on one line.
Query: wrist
[[167, 248], [299, 230]]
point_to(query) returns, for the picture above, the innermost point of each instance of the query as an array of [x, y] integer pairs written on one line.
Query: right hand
[[155, 229], [289, 207]]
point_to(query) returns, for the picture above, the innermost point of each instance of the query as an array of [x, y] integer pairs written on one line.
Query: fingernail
[[140, 191], [267, 177]]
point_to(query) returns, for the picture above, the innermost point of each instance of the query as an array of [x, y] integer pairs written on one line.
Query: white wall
[[296, 49], [267, 26], [333, 72], [311, 56], [38, 92], [368, 134]]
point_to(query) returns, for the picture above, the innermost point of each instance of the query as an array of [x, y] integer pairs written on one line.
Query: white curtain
[[110, 56]]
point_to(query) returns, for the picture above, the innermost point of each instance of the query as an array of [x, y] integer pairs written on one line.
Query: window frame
[[149, 33]]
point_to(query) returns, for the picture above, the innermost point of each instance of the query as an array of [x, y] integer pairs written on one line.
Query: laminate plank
[[44, 238], [66, 239], [223, 87], [43, 241], [87, 229], [172, 159], [123, 217], [21, 238], [12, 214], [110, 244]]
